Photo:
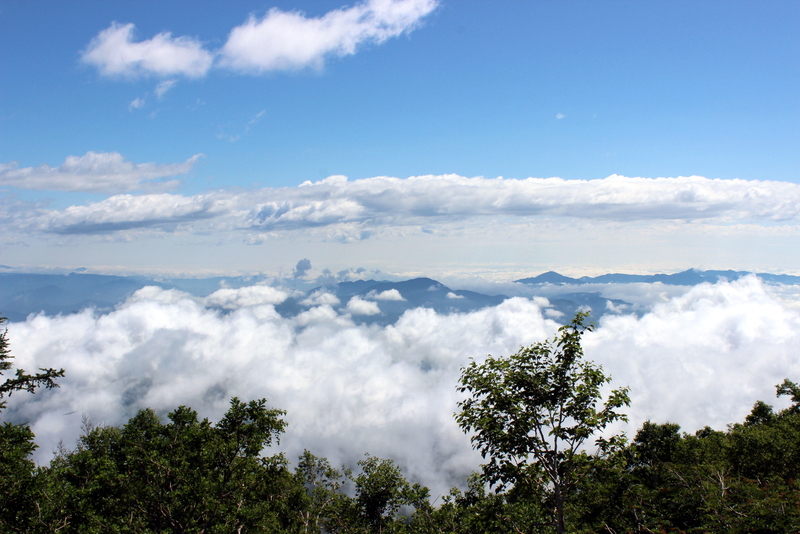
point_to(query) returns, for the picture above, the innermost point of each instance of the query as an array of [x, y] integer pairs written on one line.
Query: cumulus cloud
[[289, 40], [358, 306], [320, 297], [389, 294], [703, 357], [96, 172], [279, 40], [115, 53], [233, 299], [700, 358]]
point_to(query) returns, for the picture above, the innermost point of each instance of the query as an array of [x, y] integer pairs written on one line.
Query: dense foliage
[[181, 474], [532, 412]]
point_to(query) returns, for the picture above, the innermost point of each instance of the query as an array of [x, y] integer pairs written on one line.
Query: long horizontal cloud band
[[96, 172], [383, 201]]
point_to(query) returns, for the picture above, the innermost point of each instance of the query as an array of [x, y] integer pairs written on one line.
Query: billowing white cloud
[[279, 40], [319, 298], [352, 209], [289, 40], [700, 358], [96, 172], [358, 306], [234, 299], [389, 294], [115, 53]]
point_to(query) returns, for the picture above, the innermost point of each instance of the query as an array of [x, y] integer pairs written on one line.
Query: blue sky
[[188, 156]]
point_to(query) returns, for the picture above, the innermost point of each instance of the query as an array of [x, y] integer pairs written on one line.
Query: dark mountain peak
[[550, 277], [418, 284]]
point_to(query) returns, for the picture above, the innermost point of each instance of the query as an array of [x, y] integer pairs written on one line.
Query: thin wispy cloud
[[280, 40], [163, 87], [97, 172], [137, 103], [257, 117]]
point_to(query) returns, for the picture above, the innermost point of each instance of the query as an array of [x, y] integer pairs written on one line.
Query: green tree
[[187, 475], [22, 381], [381, 490], [326, 507], [531, 412], [17, 472]]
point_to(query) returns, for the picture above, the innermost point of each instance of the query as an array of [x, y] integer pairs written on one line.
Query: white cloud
[[321, 315], [452, 295], [319, 298], [701, 358], [336, 209], [257, 117], [96, 172], [234, 299], [452, 197], [389, 294], [280, 40], [157, 294], [163, 87], [358, 306], [136, 103], [114, 52], [289, 40], [124, 212]]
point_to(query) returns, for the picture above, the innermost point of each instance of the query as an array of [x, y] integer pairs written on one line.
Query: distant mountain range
[[692, 277], [22, 294]]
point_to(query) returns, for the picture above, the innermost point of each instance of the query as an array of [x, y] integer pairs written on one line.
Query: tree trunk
[[559, 509]]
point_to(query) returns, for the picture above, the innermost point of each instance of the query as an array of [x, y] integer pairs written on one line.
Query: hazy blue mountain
[[22, 294], [690, 277]]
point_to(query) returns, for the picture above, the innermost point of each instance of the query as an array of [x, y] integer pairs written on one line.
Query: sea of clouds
[[696, 356]]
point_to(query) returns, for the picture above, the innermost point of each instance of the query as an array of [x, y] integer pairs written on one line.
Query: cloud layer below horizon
[[698, 358]]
